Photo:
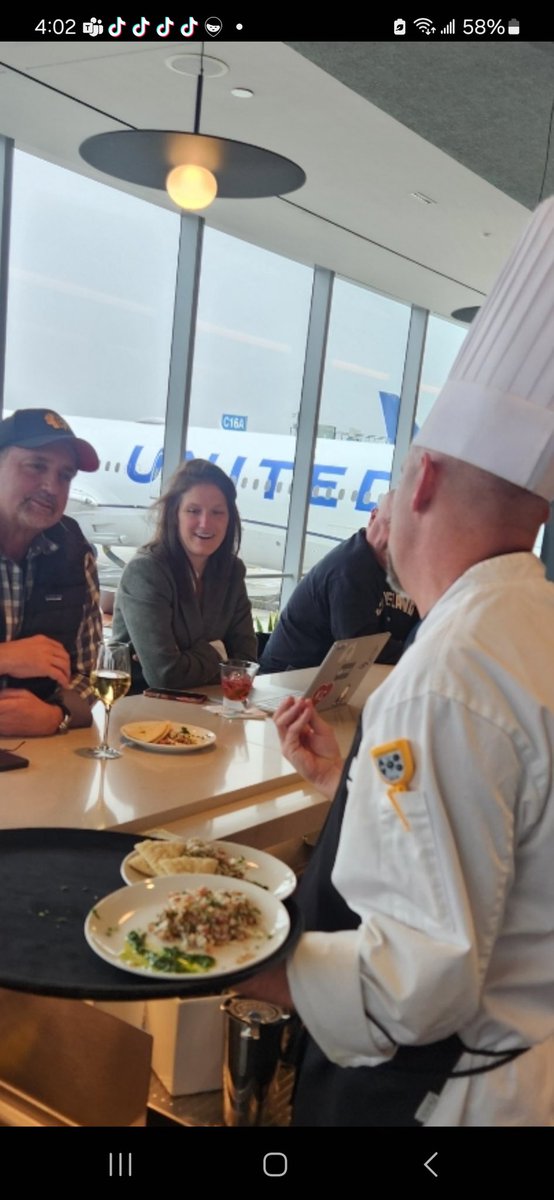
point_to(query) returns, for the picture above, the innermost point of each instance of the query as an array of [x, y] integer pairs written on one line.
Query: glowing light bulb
[[191, 187]]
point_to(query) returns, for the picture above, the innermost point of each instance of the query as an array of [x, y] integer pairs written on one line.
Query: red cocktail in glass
[[237, 677]]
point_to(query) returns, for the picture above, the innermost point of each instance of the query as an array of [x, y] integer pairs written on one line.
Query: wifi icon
[[425, 25]]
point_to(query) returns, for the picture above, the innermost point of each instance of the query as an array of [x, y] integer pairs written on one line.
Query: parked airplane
[[113, 505]]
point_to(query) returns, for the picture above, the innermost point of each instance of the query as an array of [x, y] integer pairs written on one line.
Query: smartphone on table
[[176, 694], [12, 762]]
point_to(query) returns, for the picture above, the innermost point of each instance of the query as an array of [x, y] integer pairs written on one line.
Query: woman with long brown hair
[[182, 601]]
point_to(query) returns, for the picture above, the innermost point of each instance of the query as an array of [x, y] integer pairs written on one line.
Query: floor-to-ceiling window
[[252, 321], [90, 311], [442, 343], [358, 415]]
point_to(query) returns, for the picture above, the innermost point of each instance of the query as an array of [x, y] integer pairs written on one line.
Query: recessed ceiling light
[[191, 64], [242, 93]]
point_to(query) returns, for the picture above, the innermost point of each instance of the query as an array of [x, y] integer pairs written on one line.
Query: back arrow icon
[[429, 1160]]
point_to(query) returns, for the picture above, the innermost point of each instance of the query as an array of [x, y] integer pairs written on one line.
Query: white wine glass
[[110, 680]]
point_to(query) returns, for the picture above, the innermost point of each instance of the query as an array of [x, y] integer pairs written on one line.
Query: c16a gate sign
[[234, 421]]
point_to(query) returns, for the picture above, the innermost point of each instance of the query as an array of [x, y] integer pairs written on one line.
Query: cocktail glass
[[237, 677]]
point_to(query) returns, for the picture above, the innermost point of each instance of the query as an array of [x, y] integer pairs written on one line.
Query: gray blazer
[[168, 628]]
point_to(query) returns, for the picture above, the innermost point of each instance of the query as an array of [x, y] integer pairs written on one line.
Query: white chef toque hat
[[496, 409]]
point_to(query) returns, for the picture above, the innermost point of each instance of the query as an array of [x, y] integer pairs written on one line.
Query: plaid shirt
[[16, 585]]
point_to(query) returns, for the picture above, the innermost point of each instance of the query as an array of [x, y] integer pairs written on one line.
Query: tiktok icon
[[116, 29], [187, 30], [140, 28]]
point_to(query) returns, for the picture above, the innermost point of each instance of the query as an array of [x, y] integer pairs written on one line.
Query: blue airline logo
[[325, 477], [144, 476]]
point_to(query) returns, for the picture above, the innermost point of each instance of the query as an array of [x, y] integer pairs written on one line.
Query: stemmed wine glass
[[110, 680]]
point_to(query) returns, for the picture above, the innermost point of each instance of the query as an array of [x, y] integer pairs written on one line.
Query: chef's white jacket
[[456, 911]]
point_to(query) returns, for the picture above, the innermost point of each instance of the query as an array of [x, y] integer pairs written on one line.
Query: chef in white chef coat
[[426, 983]]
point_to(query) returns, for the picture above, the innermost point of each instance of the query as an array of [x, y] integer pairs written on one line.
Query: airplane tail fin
[[390, 406]]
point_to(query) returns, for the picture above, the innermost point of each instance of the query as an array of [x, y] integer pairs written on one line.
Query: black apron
[[387, 1095]]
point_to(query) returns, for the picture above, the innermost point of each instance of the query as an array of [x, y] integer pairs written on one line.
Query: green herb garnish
[[170, 959]]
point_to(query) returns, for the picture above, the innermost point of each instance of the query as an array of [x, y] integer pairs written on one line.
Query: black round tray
[[50, 879]]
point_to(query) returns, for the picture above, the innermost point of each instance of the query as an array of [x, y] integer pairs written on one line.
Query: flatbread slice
[[187, 865], [138, 863], [151, 731], [153, 851]]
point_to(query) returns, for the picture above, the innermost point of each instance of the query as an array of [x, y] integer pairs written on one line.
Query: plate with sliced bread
[[168, 737], [155, 857]]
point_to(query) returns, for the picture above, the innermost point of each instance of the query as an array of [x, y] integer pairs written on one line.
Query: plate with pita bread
[[168, 737], [155, 857]]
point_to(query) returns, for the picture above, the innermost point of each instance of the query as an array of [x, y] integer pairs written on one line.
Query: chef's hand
[[271, 985], [309, 744]]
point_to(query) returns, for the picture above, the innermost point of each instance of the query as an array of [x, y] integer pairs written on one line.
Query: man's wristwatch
[[66, 720]]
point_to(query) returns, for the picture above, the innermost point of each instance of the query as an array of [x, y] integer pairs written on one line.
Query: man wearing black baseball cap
[[50, 620]]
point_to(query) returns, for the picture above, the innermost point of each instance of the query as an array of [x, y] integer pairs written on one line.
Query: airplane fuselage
[[113, 505]]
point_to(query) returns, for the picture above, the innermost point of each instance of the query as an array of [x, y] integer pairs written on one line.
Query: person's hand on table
[[309, 744], [271, 985], [26, 658], [22, 714]]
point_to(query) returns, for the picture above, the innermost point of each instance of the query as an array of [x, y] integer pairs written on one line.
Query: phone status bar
[[207, 29]]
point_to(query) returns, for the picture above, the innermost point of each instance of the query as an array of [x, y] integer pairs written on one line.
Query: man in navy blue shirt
[[345, 595]]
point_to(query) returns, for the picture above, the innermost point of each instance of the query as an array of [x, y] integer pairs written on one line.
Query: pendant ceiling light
[[194, 168]]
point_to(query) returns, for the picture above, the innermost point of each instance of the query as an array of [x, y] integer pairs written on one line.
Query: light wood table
[[242, 784]]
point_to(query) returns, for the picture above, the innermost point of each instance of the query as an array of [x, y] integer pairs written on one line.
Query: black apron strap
[[321, 905]]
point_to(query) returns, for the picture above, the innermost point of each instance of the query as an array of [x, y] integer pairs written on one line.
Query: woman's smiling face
[[203, 519]]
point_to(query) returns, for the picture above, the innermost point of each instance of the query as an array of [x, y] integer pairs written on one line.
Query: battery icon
[[513, 27]]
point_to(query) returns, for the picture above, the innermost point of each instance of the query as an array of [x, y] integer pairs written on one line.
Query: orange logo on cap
[[55, 421]]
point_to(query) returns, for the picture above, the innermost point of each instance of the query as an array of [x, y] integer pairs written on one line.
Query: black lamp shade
[[145, 157]]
